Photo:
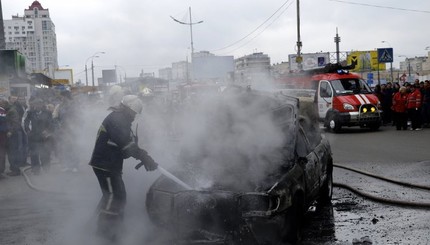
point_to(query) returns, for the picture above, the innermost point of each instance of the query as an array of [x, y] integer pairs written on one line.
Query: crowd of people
[[31, 130], [403, 104]]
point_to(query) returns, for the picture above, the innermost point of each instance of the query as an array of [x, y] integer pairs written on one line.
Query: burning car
[[255, 162]]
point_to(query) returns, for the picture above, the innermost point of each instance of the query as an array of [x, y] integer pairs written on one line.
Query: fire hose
[[381, 199], [168, 175], [161, 169], [31, 185]]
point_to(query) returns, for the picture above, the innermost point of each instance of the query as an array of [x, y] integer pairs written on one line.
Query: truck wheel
[[333, 123]]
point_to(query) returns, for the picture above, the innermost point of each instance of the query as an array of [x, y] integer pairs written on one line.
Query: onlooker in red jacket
[[414, 107], [399, 108]]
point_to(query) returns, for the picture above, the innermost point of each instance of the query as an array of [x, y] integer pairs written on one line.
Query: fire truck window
[[325, 90]]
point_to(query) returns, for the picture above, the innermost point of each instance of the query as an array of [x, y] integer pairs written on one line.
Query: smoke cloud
[[228, 140]]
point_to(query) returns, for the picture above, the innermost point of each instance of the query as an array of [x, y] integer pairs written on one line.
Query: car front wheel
[[293, 218], [326, 192]]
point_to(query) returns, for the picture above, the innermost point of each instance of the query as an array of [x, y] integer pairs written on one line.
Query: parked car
[[247, 195]]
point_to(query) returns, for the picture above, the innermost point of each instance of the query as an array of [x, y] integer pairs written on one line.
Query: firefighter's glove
[[149, 163]]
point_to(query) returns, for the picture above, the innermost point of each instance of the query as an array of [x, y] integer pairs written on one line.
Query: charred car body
[[246, 195]]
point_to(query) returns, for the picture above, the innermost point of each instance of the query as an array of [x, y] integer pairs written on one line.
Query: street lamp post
[[95, 55], [191, 30]]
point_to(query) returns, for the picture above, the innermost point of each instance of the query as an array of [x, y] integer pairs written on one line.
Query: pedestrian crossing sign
[[385, 55]]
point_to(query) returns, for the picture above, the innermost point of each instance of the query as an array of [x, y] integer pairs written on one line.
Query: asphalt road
[[63, 213], [401, 155]]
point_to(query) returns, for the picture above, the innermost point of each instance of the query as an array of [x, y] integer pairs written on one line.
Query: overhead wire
[[256, 29], [277, 17], [380, 6]]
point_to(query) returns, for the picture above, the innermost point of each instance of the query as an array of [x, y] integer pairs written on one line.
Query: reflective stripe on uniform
[[128, 146], [110, 142], [108, 212], [110, 189]]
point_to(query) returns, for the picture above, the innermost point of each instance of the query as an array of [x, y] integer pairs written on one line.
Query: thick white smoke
[[228, 140]]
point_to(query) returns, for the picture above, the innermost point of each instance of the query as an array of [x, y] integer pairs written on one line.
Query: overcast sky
[[140, 35]]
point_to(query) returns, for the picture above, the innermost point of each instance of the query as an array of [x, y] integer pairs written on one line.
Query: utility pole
[[299, 58], [92, 72], [189, 78], [337, 41], [191, 30]]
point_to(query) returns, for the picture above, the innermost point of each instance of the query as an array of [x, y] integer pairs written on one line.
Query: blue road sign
[[385, 55]]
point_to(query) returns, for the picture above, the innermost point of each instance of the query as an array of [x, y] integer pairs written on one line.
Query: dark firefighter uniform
[[115, 142]]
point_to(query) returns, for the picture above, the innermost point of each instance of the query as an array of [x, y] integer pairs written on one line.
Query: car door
[[309, 162], [323, 155], [324, 98]]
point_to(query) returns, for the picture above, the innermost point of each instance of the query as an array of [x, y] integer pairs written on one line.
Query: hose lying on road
[[381, 199], [407, 184], [30, 184]]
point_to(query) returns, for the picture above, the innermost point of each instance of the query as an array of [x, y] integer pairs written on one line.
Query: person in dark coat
[[16, 140], [4, 106], [115, 142], [38, 125], [67, 123], [426, 104], [386, 103]]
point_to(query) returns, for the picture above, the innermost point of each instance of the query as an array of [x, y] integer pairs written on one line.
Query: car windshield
[[350, 85]]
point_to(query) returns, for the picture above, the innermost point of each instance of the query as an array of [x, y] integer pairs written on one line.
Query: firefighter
[[115, 142], [116, 93], [414, 107]]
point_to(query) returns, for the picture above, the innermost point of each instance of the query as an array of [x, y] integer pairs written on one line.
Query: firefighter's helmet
[[133, 103], [115, 89]]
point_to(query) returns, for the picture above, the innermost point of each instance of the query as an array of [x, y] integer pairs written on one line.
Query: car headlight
[[347, 106]]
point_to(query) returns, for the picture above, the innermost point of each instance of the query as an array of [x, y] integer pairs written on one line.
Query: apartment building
[[34, 36]]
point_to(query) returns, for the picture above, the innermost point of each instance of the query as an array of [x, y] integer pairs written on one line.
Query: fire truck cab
[[345, 99]]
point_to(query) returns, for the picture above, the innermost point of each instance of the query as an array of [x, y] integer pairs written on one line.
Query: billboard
[[309, 61], [63, 76], [365, 61], [109, 76]]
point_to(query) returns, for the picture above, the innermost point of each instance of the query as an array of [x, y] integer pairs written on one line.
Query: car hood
[[358, 99]]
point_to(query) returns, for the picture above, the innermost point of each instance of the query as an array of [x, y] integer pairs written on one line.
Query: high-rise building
[[252, 68], [34, 36]]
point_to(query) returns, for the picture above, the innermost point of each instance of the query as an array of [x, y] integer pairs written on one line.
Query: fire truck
[[342, 98]]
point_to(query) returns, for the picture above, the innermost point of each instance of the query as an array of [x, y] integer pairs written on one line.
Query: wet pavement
[[63, 212]]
